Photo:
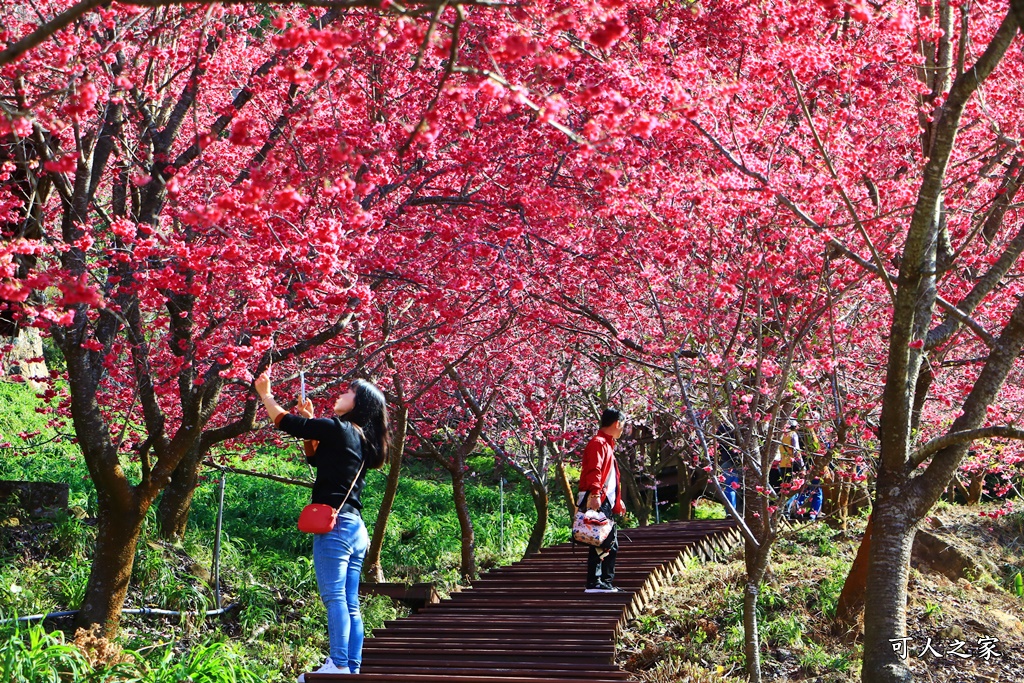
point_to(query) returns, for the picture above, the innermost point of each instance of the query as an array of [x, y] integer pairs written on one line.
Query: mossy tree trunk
[[176, 501], [120, 522]]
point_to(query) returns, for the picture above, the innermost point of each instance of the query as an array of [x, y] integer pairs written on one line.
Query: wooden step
[[531, 622]]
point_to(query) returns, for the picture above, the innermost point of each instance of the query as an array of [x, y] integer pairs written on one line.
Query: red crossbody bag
[[317, 518]]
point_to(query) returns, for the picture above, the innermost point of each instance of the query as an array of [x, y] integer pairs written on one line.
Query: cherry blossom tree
[[923, 195], [174, 235], [758, 210]]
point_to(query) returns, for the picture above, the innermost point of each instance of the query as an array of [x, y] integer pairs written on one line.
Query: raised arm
[[317, 429], [274, 411]]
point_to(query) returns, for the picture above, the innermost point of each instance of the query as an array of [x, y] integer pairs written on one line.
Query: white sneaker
[[328, 668]]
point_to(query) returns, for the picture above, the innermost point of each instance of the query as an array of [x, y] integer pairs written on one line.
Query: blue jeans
[[814, 496], [730, 478], [338, 559]]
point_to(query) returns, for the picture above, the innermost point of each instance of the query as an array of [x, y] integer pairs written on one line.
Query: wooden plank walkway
[[531, 622]]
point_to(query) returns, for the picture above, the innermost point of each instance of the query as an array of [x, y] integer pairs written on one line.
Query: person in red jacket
[[600, 490]]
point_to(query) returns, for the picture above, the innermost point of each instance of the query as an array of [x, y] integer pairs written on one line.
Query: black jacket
[[338, 459]]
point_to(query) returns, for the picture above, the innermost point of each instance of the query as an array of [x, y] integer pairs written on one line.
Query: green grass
[[815, 660], [265, 561], [36, 656]]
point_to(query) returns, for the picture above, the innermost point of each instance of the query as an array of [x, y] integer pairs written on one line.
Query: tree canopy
[[511, 214]]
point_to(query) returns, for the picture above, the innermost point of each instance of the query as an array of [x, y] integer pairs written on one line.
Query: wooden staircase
[[531, 622]]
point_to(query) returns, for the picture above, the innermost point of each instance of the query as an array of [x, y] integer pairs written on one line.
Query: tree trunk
[[540, 527], [751, 640], [685, 498], [633, 495], [892, 537], [116, 539], [468, 568], [374, 572], [851, 600], [957, 487], [976, 488], [689, 491], [756, 559], [570, 498], [757, 563], [176, 501], [845, 488]]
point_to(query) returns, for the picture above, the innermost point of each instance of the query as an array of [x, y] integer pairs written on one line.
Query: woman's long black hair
[[370, 414]]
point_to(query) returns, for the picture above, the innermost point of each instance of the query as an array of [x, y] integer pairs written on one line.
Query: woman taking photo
[[341, 448]]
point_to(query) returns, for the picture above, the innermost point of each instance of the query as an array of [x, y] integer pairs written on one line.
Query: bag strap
[[352, 486], [608, 481]]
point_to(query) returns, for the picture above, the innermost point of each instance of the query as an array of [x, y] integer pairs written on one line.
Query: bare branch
[[842, 190], [932, 447], [261, 475]]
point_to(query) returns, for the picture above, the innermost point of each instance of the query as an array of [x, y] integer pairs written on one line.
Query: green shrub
[[69, 582], [215, 662], [830, 588], [814, 661], [784, 631], [31, 655], [708, 509]]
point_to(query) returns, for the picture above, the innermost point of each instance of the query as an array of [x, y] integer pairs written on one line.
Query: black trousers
[[598, 567]]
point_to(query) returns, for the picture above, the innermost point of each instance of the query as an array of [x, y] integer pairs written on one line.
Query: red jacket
[[598, 460]]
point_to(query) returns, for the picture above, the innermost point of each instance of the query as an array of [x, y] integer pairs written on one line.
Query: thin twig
[[261, 475], [842, 191], [868, 265]]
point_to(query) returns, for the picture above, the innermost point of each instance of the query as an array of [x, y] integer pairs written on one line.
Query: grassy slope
[[265, 560], [693, 631]]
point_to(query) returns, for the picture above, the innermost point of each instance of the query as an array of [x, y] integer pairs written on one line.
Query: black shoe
[[601, 587]]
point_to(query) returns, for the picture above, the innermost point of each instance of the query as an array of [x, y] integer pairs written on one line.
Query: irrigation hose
[[139, 611]]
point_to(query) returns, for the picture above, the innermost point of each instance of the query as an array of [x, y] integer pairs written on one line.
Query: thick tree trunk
[[540, 526], [176, 501], [851, 599], [114, 557], [373, 572], [570, 498], [468, 568], [892, 537]]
